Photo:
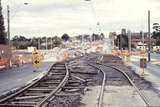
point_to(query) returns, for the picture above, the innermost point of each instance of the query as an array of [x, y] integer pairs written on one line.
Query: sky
[[56, 17]]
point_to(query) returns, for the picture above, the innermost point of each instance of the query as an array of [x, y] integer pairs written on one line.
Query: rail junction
[[67, 82]]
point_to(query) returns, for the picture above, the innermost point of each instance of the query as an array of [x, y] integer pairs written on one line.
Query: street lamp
[[8, 22]]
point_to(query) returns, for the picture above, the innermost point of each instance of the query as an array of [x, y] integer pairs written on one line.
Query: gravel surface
[[145, 86]]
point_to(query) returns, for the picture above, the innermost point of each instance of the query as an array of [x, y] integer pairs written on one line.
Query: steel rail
[[132, 83], [59, 88], [100, 100]]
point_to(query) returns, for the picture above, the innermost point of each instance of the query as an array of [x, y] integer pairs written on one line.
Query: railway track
[[40, 91], [61, 86], [100, 67], [65, 82]]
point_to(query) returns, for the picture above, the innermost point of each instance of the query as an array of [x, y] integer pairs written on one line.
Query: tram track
[[60, 86], [99, 66], [66, 82], [37, 93]]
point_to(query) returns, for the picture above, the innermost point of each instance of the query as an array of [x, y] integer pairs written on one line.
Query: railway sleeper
[[50, 82], [36, 94], [60, 65], [56, 73], [52, 78], [45, 87], [79, 72], [72, 81], [24, 103], [40, 89], [70, 94], [58, 68], [29, 97], [81, 87]]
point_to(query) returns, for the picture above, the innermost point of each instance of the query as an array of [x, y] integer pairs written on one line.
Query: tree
[[79, 37], [101, 36], [20, 42], [156, 33], [65, 37], [56, 41], [3, 35], [95, 37]]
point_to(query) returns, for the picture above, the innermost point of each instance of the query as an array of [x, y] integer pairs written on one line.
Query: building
[[123, 31], [136, 38]]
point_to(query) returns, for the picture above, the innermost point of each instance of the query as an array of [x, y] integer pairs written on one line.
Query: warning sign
[[36, 60]]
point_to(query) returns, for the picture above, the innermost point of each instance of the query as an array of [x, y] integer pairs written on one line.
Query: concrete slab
[[152, 73], [124, 96], [90, 99]]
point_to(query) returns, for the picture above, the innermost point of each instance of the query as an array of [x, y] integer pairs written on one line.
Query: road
[[17, 77]]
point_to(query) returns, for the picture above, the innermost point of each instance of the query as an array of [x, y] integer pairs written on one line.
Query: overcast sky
[[55, 17]]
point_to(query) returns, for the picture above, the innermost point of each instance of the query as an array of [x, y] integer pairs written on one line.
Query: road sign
[[36, 60]]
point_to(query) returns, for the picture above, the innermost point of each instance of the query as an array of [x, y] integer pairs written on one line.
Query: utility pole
[[51, 43], [39, 44], [120, 42], [46, 44], [143, 38], [129, 41], [149, 36], [8, 23]]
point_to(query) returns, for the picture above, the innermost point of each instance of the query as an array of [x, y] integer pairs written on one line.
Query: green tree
[[156, 33], [20, 42], [3, 35], [65, 37]]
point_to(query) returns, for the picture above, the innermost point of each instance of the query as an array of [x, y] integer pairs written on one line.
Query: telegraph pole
[[149, 37], [46, 43]]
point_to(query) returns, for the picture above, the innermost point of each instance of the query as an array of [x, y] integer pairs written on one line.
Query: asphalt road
[[17, 77]]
